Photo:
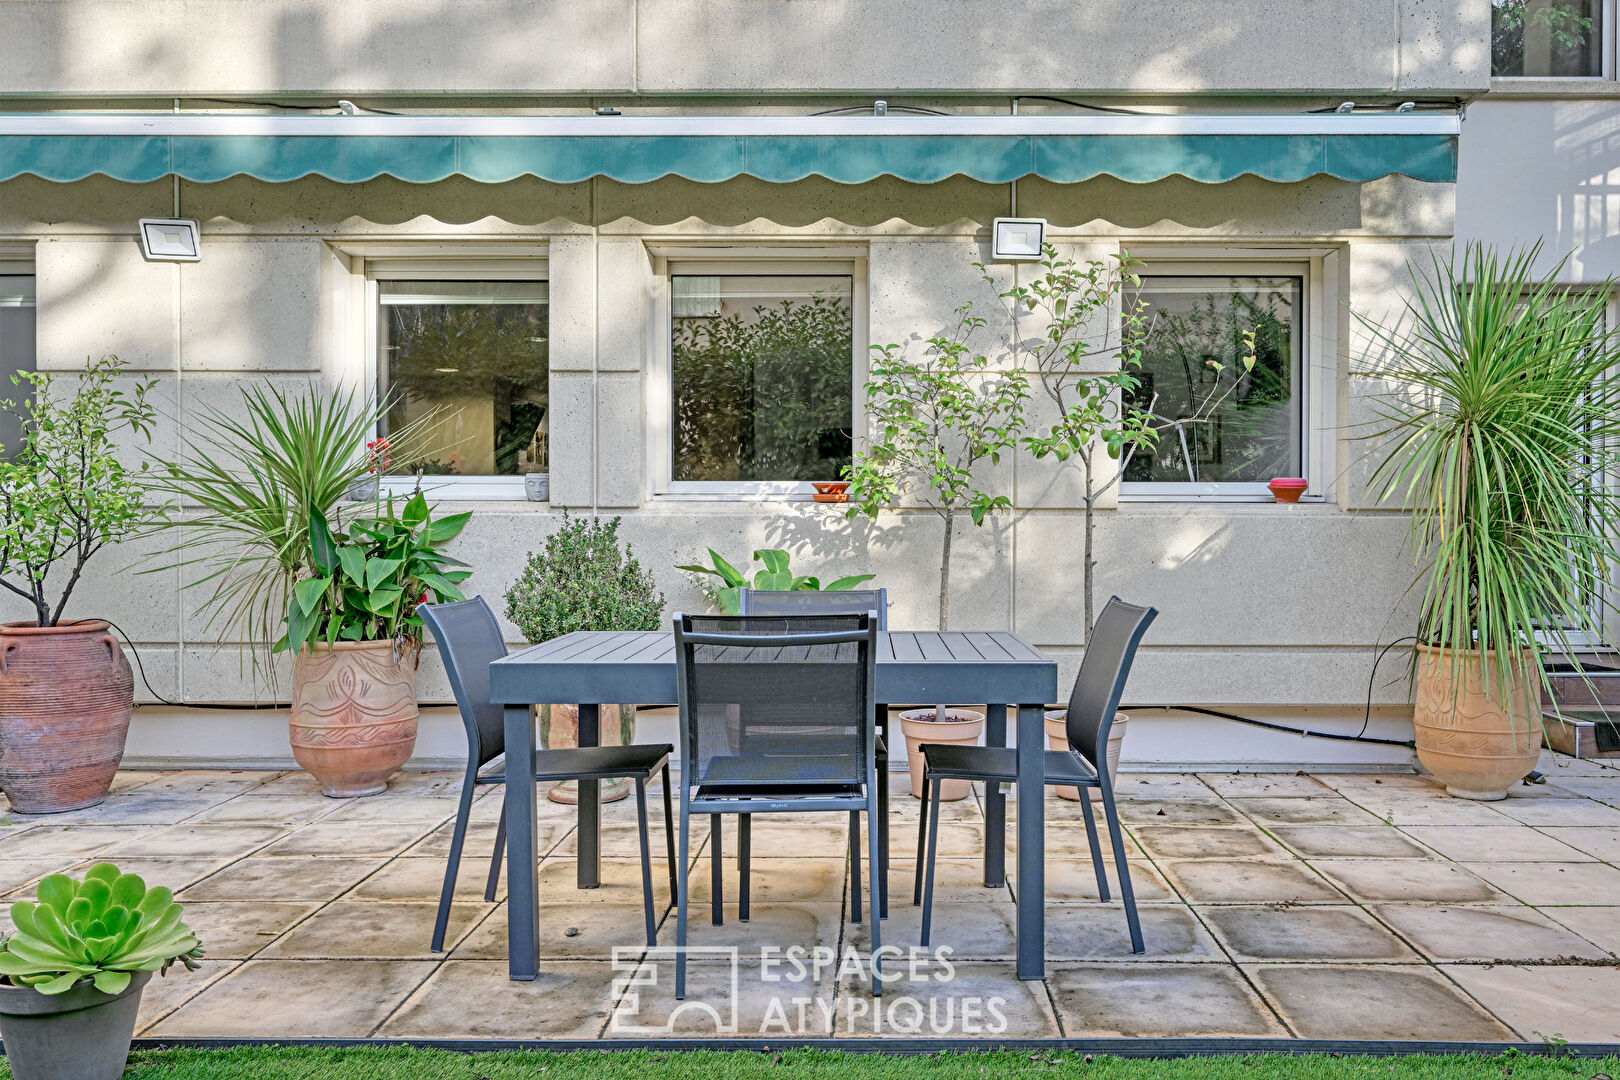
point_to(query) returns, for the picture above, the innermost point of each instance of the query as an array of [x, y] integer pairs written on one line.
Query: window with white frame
[[1224, 429], [759, 359], [16, 341], [466, 343], [1550, 39]]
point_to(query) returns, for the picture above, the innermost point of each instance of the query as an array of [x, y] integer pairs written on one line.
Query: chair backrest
[[780, 703], [833, 602], [1101, 682], [469, 641]]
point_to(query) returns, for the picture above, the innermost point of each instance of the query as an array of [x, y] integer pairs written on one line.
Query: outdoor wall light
[[170, 240], [1017, 239]]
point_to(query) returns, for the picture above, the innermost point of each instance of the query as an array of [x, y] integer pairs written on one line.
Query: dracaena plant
[[367, 581], [104, 928], [777, 575]]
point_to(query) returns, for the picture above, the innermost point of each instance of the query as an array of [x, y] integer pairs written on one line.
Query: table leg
[[522, 868], [1031, 842], [590, 804], [995, 804]]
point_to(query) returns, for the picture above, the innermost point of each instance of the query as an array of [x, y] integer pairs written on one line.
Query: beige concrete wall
[[1264, 606], [327, 48]]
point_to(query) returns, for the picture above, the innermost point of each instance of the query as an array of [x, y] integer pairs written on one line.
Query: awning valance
[[780, 149]]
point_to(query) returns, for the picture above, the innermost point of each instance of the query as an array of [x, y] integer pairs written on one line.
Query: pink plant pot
[[1288, 489]]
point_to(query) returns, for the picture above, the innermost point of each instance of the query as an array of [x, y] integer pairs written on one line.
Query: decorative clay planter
[[559, 729], [920, 726], [66, 694], [82, 1034], [1057, 737], [353, 715], [1467, 737], [831, 491]]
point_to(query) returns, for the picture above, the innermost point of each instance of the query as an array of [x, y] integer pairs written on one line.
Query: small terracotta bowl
[[1288, 489], [831, 491]]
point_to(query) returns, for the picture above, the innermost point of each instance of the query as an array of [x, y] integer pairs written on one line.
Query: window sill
[[461, 488], [1233, 499], [1530, 86]]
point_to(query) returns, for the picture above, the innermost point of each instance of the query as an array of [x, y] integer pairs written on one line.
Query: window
[[473, 352], [1229, 431], [1548, 38], [16, 342], [762, 369]]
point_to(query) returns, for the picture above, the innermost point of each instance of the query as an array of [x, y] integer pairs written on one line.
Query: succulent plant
[[102, 928]]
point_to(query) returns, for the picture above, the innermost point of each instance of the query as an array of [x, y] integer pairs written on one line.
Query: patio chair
[[776, 716], [839, 602], [469, 641], [1096, 694]]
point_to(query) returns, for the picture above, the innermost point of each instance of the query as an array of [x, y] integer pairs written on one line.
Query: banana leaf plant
[[777, 576], [104, 928], [367, 581]]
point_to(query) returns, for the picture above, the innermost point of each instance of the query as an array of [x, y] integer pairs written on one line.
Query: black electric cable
[[1366, 717], [286, 105], [1084, 105], [892, 107], [1235, 718], [130, 645]]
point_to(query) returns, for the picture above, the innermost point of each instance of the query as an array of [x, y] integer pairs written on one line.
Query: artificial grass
[[410, 1063]]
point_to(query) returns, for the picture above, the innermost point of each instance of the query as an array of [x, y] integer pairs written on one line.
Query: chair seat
[[1000, 763], [785, 772], [595, 763]]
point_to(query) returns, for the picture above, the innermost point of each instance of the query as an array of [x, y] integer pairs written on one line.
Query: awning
[[780, 149]]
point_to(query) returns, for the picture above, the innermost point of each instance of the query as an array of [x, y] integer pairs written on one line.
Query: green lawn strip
[[409, 1063]]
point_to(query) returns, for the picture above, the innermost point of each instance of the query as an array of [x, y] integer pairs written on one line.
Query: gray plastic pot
[[80, 1035]]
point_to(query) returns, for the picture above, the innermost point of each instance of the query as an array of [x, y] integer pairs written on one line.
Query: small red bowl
[[1288, 489]]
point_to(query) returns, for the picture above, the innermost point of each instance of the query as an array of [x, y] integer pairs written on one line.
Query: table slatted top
[[957, 667]]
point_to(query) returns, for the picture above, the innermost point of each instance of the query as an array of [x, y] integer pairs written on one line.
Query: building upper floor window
[[16, 344], [1548, 38]]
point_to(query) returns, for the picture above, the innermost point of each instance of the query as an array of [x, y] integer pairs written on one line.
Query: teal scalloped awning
[[351, 150]]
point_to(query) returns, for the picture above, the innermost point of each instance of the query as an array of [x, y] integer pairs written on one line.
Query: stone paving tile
[[1484, 932], [1347, 841], [1071, 881], [168, 991], [1158, 1001], [749, 999], [67, 842], [393, 809], [1599, 925], [359, 840], [203, 840], [967, 1000], [1100, 932], [380, 930], [581, 932], [770, 880], [1328, 809], [1214, 881], [1264, 785], [1439, 810], [473, 999], [1062, 839], [1602, 788], [1161, 786], [1373, 1002], [1600, 843], [1547, 1002], [1313, 932], [971, 931], [1566, 812], [134, 778], [1205, 842], [237, 929], [1372, 880], [272, 810], [206, 782], [409, 878], [267, 877], [1178, 812], [133, 808], [1552, 883], [770, 925], [1495, 843], [174, 874], [956, 881], [290, 999]]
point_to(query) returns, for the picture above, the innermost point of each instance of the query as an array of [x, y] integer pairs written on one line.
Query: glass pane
[[1547, 38], [762, 368], [476, 351], [1251, 421], [16, 347]]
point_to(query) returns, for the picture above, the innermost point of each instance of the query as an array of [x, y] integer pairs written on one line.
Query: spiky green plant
[[1501, 431], [103, 928]]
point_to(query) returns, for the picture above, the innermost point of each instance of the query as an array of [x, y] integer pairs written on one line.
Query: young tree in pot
[[584, 580], [1500, 433], [66, 690], [74, 968]]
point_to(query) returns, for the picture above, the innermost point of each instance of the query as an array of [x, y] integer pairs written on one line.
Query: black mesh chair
[[833, 602], [1097, 691], [469, 641], [777, 716]]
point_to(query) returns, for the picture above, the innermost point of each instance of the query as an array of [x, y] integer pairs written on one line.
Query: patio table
[[587, 668]]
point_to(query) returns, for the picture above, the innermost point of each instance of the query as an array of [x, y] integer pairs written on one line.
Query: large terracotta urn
[[1468, 738], [353, 714], [66, 694]]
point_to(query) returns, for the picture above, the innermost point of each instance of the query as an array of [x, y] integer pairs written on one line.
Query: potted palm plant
[[66, 690], [72, 972], [1500, 432]]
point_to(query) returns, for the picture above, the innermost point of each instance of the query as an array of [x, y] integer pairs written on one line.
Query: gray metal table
[[994, 667]]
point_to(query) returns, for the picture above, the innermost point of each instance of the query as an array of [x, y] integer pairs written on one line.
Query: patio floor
[[1312, 906]]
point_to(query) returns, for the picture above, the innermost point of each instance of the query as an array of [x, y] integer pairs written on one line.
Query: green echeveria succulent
[[102, 928]]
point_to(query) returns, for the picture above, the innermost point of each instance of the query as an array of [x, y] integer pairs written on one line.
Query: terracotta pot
[[83, 1033], [1287, 489], [1467, 737], [353, 715], [559, 729], [831, 491], [66, 694], [1057, 737], [960, 726]]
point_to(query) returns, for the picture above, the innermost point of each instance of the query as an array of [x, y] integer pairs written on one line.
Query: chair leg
[[874, 876], [498, 854], [646, 862], [1126, 893], [680, 899], [882, 827], [669, 833], [452, 865], [1096, 844], [932, 793], [855, 900], [745, 830], [717, 875], [922, 839]]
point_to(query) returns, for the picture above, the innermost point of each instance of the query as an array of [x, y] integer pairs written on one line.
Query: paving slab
[[411, 878], [1373, 1002], [67, 843], [1205, 842], [358, 840], [1327, 809], [983, 931], [581, 932], [293, 999], [273, 810], [1308, 932], [1542, 1002], [1349, 841], [748, 998], [201, 840], [170, 873], [364, 930], [1552, 883], [1100, 932], [961, 1000], [1484, 932], [1159, 1001], [269, 877], [1178, 812], [167, 991], [1561, 812], [1372, 880], [1237, 881], [1265, 785], [1599, 925], [1600, 843], [1496, 843], [473, 999]]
